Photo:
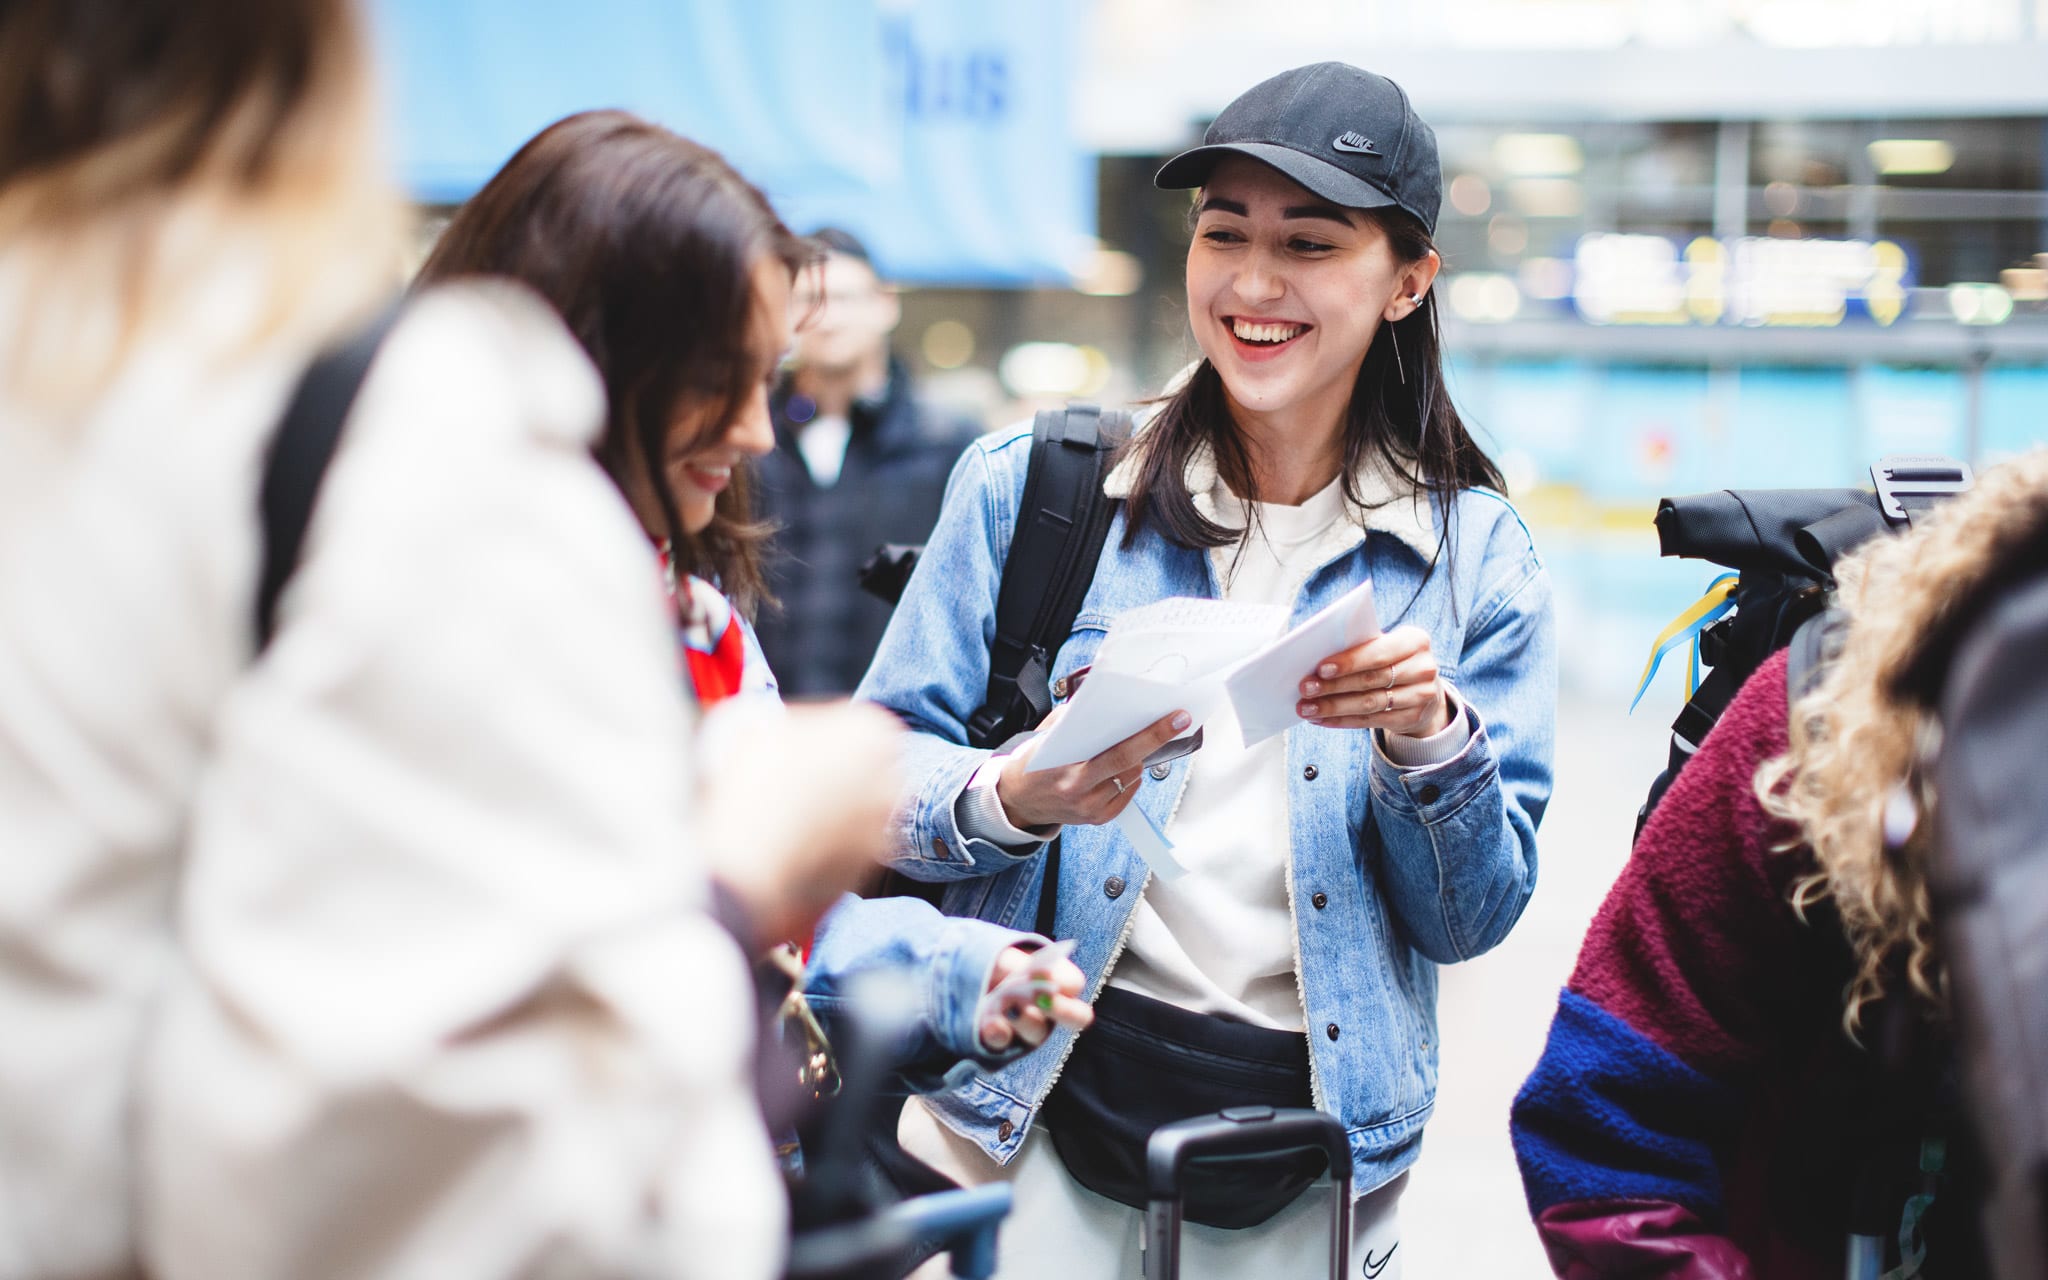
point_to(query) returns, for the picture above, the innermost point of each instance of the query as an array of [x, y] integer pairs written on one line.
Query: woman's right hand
[[1085, 794]]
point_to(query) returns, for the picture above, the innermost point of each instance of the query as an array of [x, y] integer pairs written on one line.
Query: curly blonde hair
[[1856, 737]]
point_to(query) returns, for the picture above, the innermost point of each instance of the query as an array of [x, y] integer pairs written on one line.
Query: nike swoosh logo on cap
[[1355, 143]]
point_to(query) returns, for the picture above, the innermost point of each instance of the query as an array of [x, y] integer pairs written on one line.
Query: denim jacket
[[1392, 871]]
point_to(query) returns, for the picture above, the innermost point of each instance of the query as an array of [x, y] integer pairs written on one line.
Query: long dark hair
[[645, 242], [1400, 416]]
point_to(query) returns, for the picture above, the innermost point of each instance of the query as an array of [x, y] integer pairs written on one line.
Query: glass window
[[1966, 155], [1663, 179], [1804, 153]]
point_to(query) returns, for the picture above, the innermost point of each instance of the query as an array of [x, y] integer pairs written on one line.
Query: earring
[[1415, 298], [1400, 370]]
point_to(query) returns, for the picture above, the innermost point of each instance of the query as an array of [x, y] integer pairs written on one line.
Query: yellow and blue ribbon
[[1686, 627]]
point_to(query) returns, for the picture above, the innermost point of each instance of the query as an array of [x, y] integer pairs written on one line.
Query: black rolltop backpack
[[1782, 546]]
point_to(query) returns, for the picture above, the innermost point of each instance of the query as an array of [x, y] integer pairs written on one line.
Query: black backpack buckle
[[985, 728], [1914, 482]]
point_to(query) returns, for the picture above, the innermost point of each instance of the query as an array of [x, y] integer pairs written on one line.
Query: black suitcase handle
[[1237, 1131]]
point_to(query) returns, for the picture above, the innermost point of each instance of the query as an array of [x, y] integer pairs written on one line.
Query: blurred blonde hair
[[145, 143], [1857, 735]]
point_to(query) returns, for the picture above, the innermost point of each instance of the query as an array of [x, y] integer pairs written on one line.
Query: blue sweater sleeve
[[1609, 1114]]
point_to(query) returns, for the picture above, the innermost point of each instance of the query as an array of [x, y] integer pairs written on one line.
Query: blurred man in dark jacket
[[859, 461]]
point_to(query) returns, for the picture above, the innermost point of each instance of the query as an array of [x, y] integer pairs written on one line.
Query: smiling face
[[1285, 293], [702, 453]]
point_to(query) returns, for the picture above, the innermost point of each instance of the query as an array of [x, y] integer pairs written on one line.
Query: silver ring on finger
[[1390, 702], [1118, 783], [1391, 677]]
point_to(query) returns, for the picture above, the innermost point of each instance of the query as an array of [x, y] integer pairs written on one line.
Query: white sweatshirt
[[387, 955], [1221, 939]]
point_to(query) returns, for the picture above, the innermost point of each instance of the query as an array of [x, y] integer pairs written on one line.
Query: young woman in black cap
[[1332, 867]]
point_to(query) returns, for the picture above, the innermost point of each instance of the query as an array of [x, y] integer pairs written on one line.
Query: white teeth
[[1265, 332], [720, 472]]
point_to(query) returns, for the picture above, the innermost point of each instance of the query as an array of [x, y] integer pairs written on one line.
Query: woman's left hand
[[1390, 682]]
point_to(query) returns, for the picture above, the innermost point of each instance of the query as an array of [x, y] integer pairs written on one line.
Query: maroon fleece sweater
[[1689, 1117]]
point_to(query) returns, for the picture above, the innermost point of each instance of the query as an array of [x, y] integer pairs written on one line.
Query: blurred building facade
[[1689, 245]]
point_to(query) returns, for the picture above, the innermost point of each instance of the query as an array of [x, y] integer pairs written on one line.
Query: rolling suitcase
[[1237, 1131]]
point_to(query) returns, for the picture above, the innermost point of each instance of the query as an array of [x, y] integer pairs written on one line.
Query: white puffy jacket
[[385, 955]]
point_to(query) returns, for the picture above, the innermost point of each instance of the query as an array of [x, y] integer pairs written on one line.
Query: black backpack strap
[[1061, 527], [299, 456], [1816, 644]]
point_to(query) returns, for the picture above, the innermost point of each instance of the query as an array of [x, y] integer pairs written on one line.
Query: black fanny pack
[[1145, 1063]]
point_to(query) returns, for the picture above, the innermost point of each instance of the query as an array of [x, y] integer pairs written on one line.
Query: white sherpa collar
[[1390, 504]]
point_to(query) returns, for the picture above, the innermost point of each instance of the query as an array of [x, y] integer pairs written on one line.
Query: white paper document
[[1199, 656], [1265, 688], [1112, 706]]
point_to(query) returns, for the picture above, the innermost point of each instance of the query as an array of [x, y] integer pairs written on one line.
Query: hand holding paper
[[1390, 683], [1219, 655], [1264, 687], [1091, 791], [1201, 656]]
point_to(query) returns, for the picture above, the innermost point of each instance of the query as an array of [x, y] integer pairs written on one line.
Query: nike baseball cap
[[1345, 134]]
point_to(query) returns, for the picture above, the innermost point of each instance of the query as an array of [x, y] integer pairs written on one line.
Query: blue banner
[[994, 189], [936, 131]]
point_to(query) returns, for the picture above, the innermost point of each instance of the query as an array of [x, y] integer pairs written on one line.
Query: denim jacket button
[[1004, 1130], [1321, 900], [1429, 793], [1059, 687], [939, 849], [1331, 1030], [1159, 772], [1113, 887], [1309, 773]]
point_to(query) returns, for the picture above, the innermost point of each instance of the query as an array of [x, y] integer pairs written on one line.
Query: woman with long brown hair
[[332, 959], [1765, 970], [676, 274]]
